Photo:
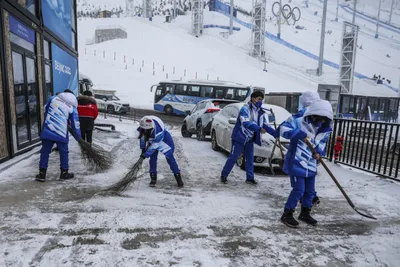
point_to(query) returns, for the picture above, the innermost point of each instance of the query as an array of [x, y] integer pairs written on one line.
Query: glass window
[[73, 36], [73, 24], [169, 88], [201, 106], [345, 104], [181, 89], [220, 93], [31, 6], [21, 42], [46, 47], [230, 93], [207, 91], [241, 94], [194, 90]]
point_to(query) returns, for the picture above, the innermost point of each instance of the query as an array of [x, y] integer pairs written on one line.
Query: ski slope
[[176, 54]]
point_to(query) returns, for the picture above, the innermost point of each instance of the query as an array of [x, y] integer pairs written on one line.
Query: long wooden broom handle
[[330, 173]]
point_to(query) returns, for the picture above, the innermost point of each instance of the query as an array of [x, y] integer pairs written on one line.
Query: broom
[[94, 156], [129, 178]]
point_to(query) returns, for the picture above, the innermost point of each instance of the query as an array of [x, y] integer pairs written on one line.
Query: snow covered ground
[[203, 224]]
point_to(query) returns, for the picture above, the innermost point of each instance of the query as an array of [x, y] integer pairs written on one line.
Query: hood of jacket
[[309, 97], [320, 108], [68, 98]]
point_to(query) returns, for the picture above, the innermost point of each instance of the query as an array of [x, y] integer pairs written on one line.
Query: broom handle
[[330, 173]]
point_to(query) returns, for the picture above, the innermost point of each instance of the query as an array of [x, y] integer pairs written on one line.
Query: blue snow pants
[[303, 188], [236, 151], [47, 145], [171, 162]]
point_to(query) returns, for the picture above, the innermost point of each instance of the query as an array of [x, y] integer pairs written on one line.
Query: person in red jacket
[[87, 110]]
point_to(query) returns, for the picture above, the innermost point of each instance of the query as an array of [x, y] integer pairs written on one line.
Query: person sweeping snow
[[154, 137], [60, 111], [300, 162]]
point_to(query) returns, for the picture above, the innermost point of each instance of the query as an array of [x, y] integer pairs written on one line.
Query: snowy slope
[[172, 51], [204, 224]]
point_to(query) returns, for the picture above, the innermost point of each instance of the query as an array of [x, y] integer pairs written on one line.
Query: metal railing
[[368, 145], [130, 115]]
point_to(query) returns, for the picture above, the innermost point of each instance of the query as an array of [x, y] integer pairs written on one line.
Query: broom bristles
[[94, 156], [129, 178]]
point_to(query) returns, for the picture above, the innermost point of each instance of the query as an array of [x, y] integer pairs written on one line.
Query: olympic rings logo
[[290, 15]]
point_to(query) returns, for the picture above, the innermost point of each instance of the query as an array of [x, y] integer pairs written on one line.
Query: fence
[[367, 145], [130, 115]]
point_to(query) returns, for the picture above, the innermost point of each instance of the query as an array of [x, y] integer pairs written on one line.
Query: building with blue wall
[[39, 58]]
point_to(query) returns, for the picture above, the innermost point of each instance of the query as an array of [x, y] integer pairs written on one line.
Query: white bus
[[178, 97]]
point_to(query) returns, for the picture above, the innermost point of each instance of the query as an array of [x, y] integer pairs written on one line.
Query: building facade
[[39, 58]]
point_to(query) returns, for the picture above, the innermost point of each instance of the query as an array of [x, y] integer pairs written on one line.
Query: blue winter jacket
[[60, 111], [249, 123], [160, 140], [299, 160]]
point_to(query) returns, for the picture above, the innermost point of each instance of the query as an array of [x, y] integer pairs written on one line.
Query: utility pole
[[231, 20], [279, 19], [391, 11], [174, 15], [378, 20], [322, 42], [354, 12], [337, 11]]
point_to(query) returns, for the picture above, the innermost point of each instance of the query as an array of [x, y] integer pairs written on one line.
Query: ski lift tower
[[258, 22], [129, 8], [147, 9], [348, 56], [197, 17]]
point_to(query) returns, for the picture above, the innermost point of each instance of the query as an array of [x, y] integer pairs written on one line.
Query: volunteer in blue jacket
[[306, 99], [300, 163], [250, 124], [154, 137], [60, 111]]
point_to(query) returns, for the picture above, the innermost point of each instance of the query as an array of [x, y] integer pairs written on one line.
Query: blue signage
[[65, 70], [21, 30], [57, 17]]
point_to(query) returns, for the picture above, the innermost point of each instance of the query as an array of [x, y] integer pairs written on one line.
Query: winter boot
[[178, 179], [316, 201], [65, 175], [253, 182], [224, 180], [41, 177], [153, 181], [306, 217], [287, 218]]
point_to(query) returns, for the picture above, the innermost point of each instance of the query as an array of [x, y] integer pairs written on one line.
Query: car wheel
[[110, 109], [241, 162], [214, 144], [184, 131], [168, 110], [199, 132]]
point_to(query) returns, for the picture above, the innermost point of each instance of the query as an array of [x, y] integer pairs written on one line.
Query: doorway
[[26, 97]]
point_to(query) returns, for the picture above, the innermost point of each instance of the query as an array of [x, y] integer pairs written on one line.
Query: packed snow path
[[203, 224]]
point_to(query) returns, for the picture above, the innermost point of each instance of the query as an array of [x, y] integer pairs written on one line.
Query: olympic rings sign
[[290, 15]]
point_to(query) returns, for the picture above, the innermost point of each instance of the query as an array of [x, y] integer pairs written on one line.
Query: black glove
[[143, 151], [142, 156]]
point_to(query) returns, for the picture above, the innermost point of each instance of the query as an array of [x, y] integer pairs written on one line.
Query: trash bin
[[168, 18]]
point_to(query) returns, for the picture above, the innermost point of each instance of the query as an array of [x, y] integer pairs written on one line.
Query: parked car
[[199, 119], [268, 154], [111, 103]]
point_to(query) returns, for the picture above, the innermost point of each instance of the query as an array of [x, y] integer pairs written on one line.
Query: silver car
[[199, 119], [268, 154]]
